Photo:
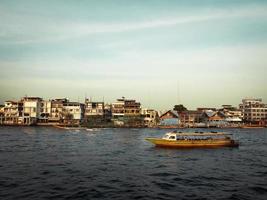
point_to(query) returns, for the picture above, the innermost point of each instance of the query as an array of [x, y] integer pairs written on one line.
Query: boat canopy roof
[[200, 134]]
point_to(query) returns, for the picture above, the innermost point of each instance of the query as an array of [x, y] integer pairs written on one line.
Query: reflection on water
[[45, 162]]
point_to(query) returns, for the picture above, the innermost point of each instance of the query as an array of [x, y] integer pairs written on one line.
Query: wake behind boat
[[195, 140]]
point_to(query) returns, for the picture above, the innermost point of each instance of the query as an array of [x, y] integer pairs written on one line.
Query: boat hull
[[193, 143]]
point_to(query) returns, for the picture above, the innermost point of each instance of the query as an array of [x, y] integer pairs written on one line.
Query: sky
[[161, 53]]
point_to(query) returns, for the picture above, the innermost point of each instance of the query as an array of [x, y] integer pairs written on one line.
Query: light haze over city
[[161, 53]]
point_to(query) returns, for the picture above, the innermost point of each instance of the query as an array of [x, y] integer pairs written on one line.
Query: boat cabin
[[172, 136]]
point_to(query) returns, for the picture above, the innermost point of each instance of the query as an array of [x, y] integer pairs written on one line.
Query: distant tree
[[67, 117], [180, 108]]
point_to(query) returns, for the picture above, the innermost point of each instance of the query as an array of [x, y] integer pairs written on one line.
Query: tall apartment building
[[93, 108], [57, 110], [45, 111], [126, 108], [12, 112], [151, 117], [73, 112], [31, 109], [254, 110]]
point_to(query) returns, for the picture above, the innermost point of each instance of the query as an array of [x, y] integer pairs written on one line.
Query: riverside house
[[213, 118], [31, 109], [57, 110], [151, 117], [94, 114], [190, 118], [12, 112], [72, 113], [254, 111], [126, 112], [169, 118]]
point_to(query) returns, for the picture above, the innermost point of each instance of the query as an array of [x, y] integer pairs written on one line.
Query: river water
[[51, 163]]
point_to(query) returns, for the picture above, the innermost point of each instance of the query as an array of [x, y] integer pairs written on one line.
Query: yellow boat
[[195, 140]]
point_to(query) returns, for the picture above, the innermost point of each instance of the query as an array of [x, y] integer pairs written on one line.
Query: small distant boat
[[251, 126], [92, 129], [195, 140]]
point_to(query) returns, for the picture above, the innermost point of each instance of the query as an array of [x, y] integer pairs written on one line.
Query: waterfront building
[[125, 107], [151, 117], [107, 111], [12, 112], [254, 110], [2, 114], [233, 115], [213, 118], [94, 114], [132, 108], [117, 108], [45, 111], [189, 118], [57, 110], [94, 108], [31, 109], [169, 118], [126, 112], [73, 113]]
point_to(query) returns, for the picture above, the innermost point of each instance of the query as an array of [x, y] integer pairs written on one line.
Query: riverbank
[[63, 126]]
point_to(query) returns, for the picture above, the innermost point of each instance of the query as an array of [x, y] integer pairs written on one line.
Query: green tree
[[180, 108]]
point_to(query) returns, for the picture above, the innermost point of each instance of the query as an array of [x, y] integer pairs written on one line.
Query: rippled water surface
[[50, 163]]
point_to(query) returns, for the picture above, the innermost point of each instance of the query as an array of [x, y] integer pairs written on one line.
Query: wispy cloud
[[27, 29]]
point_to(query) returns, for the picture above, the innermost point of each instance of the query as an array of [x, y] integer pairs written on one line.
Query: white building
[[117, 108], [254, 110], [73, 112], [57, 110], [151, 117], [12, 112], [45, 111], [93, 108], [31, 109]]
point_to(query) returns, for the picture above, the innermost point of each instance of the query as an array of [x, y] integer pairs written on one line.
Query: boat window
[[172, 137]]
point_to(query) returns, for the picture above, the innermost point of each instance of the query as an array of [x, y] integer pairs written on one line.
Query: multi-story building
[[232, 114], [45, 111], [73, 112], [13, 111], [189, 118], [254, 110], [94, 114], [151, 117], [132, 108], [31, 109], [117, 108], [126, 107], [57, 110], [93, 108]]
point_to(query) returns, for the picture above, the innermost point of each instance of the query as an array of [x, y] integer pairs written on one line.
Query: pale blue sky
[[199, 53]]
